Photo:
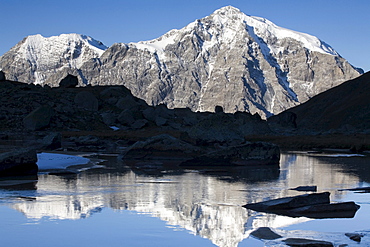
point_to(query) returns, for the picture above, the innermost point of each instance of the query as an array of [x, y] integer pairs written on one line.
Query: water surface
[[114, 205]]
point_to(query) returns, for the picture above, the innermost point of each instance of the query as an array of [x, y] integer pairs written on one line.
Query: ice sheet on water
[[46, 161]]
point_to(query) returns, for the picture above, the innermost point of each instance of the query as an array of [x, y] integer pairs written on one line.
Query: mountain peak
[[228, 10], [38, 41]]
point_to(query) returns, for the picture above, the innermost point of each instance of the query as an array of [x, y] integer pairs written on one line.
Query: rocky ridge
[[239, 62]]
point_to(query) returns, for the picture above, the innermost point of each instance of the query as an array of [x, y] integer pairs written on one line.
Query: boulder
[[355, 236], [287, 203], [2, 76], [127, 102], [51, 141], [265, 233], [219, 109], [20, 162], [126, 117], [39, 118], [296, 242], [325, 211], [70, 81], [315, 205], [108, 118], [86, 100], [305, 188]]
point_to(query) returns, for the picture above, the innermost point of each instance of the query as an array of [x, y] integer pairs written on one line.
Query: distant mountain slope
[[239, 62], [345, 107], [40, 60]]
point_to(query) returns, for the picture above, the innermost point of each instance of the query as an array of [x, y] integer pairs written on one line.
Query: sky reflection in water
[[124, 207]]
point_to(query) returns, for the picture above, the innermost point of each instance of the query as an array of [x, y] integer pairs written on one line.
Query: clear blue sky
[[344, 24]]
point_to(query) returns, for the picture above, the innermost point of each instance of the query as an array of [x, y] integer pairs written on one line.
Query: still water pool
[[114, 205]]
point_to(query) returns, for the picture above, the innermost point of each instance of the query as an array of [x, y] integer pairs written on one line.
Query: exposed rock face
[[238, 62]]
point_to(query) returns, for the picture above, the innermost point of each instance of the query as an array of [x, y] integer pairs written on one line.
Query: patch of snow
[[114, 128], [46, 161]]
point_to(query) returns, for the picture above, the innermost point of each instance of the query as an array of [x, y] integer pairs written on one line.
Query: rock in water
[[306, 188], [21, 162], [265, 233], [290, 202], [355, 236], [296, 242]]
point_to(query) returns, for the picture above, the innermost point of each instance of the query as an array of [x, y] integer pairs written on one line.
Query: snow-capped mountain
[[240, 62], [37, 59]]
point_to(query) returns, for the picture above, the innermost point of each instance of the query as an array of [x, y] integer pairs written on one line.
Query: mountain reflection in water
[[206, 202]]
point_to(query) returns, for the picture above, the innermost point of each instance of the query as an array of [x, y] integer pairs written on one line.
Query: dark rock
[[316, 206], [138, 124], [290, 202], [70, 81], [160, 121], [149, 113], [87, 101], [251, 153], [20, 162], [52, 141], [108, 118], [88, 140], [296, 242], [2, 76], [265, 233], [325, 211], [359, 189], [127, 102], [219, 109], [305, 188], [355, 236], [39, 118], [285, 119], [126, 117]]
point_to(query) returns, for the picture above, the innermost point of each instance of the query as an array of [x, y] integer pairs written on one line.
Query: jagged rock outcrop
[[239, 62]]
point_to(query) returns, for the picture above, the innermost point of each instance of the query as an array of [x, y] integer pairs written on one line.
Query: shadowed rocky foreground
[[110, 117]]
